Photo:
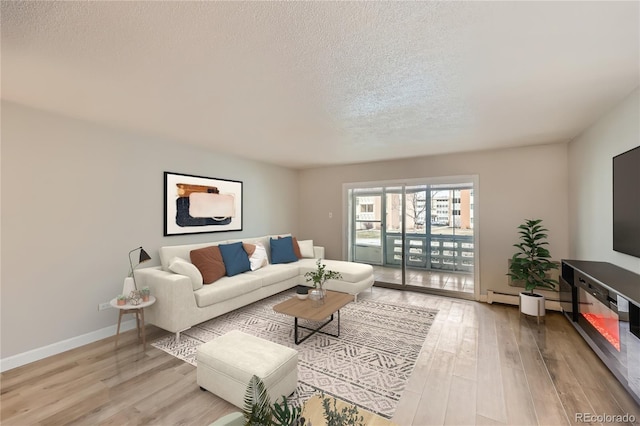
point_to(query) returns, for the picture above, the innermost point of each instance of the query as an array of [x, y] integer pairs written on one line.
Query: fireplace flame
[[606, 326]]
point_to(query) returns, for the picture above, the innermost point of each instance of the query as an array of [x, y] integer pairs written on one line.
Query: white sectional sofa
[[180, 304]]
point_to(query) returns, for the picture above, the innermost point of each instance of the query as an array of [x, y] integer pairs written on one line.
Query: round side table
[[138, 311]]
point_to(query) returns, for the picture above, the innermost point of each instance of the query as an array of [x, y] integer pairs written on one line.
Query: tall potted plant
[[531, 264]]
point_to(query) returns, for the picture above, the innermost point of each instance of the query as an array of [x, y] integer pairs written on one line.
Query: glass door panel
[[394, 253], [416, 211], [451, 230], [367, 247]]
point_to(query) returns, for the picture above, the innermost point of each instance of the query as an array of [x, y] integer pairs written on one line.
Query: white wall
[[514, 184], [591, 183], [76, 197]]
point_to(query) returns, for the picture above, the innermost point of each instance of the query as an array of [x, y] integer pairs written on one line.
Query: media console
[[602, 301]]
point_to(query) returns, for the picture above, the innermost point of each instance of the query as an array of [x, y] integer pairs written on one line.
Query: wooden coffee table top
[[303, 308]]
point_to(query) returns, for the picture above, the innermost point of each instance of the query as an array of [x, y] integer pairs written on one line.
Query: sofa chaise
[[182, 301]]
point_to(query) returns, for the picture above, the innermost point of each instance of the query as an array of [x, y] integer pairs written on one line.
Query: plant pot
[[145, 297], [302, 292], [532, 304], [121, 302]]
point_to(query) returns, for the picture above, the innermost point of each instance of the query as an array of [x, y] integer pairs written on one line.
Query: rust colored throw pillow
[[296, 247], [249, 248], [209, 262]]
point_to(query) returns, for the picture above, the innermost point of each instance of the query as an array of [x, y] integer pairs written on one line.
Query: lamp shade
[[144, 256]]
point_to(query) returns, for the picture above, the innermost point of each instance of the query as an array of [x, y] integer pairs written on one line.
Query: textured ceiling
[[305, 84]]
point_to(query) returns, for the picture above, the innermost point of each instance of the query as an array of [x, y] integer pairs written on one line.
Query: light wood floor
[[441, 280], [480, 364]]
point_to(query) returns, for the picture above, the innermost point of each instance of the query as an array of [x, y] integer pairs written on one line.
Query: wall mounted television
[[626, 202]]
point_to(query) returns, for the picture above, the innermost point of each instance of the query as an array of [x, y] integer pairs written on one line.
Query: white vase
[[128, 286], [532, 304]]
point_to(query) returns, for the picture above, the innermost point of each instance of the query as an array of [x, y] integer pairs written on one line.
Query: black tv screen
[[626, 202]]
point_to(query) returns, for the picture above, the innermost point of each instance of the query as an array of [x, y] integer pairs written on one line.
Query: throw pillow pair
[[215, 262], [289, 249], [242, 257]]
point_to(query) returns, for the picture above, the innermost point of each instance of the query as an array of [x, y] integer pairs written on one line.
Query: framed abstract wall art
[[198, 204]]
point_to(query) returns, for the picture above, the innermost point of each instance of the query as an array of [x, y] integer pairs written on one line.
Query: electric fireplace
[[602, 318], [603, 303]]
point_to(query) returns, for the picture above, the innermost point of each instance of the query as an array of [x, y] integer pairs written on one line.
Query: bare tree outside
[[416, 209]]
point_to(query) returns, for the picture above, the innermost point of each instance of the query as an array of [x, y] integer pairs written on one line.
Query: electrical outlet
[[103, 306]]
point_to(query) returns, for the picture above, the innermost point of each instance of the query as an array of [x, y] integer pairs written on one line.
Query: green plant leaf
[[285, 414], [531, 263], [257, 407]]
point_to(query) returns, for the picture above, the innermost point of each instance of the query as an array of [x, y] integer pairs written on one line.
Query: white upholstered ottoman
[[226, 364]]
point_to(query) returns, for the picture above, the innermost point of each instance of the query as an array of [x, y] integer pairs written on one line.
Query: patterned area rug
[[368, 365]]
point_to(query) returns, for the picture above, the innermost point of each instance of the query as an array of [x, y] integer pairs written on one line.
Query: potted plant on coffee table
[[530, 265], [320, 276]]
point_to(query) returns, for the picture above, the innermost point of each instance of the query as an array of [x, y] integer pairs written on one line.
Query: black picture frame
[[199, 204]]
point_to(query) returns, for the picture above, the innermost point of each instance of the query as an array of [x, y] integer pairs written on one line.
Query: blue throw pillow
[[235, 258], [282, 250]]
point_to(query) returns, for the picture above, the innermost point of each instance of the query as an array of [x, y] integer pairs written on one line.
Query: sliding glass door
[[367, 226], [417, 234]]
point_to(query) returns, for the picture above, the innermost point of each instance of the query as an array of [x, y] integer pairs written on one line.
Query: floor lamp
[[144, 256]]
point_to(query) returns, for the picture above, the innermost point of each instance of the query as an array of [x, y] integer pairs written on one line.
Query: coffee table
[[304, 309]]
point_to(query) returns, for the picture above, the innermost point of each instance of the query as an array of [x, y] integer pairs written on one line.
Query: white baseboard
[[37, 354], [513, 299]]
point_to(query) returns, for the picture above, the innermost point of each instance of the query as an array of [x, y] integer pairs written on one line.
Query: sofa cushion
[[282, 250], [235, 258], [275, 274], [227, 288], [182, 267], [209, 262], [306, 249]]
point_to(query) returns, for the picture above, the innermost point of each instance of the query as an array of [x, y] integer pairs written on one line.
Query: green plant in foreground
[[259, 411], [532, 261], [348, 416]]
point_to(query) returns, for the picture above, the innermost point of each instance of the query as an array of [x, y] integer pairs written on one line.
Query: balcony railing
[[435, 252]]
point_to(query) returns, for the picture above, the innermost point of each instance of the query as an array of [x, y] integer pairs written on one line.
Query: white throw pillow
[[182, 267], [306, 248], [259, 257]]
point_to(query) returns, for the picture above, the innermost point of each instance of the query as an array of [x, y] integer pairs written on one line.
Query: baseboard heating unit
[[552, 304]]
